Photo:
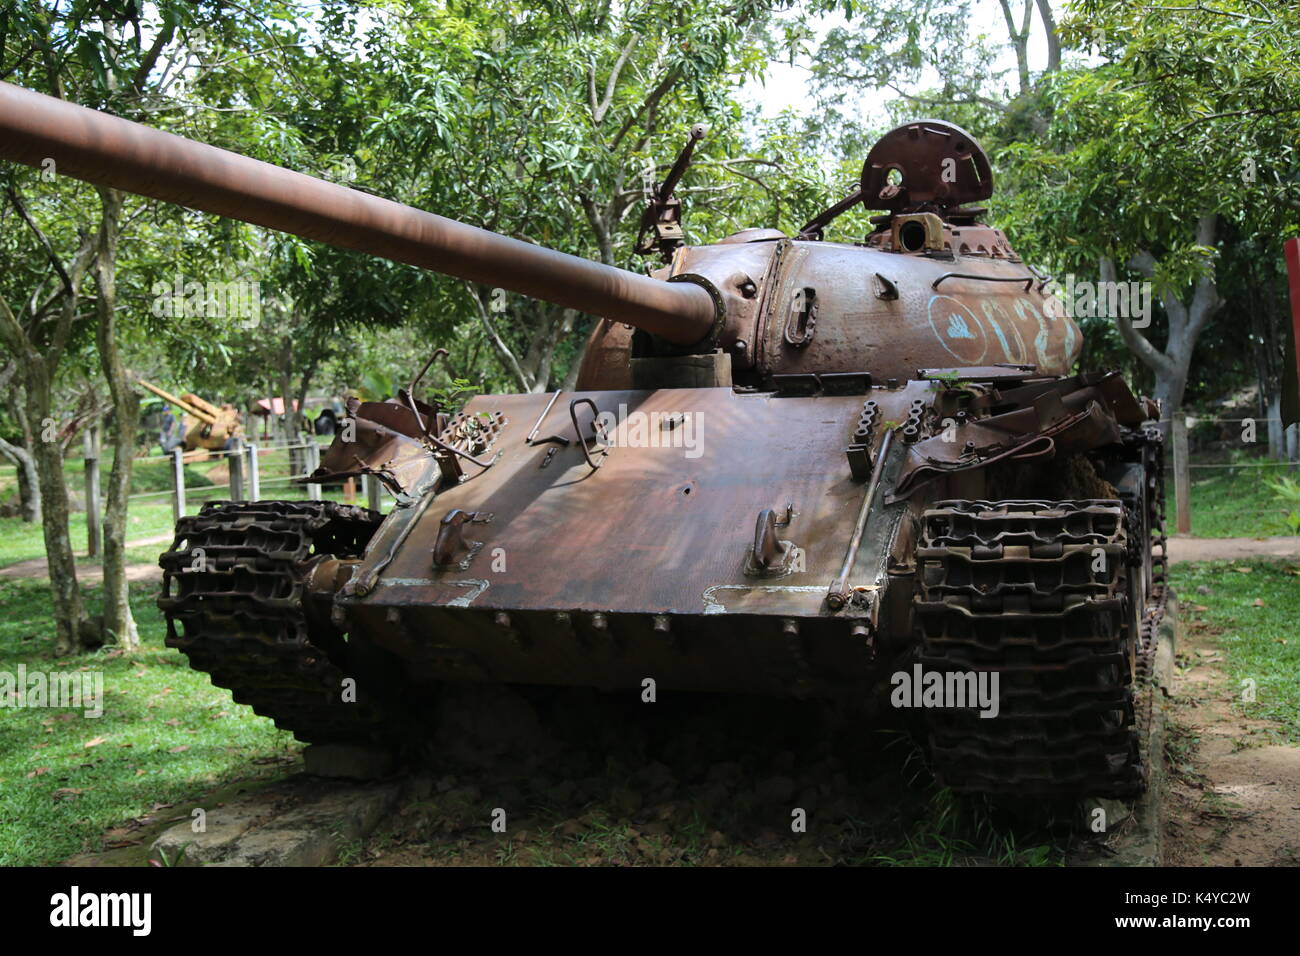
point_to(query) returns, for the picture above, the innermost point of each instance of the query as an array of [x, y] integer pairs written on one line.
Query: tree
[[1151, 154], [904, 46], [38, 337], [544, 122], [140, 63]]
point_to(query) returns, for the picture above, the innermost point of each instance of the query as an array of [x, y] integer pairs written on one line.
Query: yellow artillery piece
[[212, 427]]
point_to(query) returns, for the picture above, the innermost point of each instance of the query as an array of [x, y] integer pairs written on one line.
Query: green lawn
[[1230, 502], [166, 736], [1252, 608]]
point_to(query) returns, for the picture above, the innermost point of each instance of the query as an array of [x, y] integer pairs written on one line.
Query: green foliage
[[454, 395], [1286, 491]]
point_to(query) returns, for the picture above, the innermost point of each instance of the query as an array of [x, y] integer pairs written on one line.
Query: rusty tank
[[863, 472]]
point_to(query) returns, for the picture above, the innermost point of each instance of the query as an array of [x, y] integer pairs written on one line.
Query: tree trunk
[[29, 489], [69, 612], [288, 420], [119, 624], [1053, 38], [39, 348], [1186, 322], [1020, 39]]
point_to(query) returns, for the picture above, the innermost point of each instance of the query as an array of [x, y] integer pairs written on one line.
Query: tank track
[[1153, 614], [234, 598], [1156, 545], [1011, 587]]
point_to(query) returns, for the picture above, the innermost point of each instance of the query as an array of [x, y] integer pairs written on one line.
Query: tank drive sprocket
[[1037, 593], [237, 604]]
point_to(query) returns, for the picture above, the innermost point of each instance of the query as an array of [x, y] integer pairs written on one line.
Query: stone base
[[258, 830]]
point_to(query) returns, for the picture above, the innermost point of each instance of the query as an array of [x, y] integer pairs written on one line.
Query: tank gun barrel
[[109, 151]]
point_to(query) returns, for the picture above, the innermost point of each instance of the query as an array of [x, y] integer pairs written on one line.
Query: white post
[[92, 490], [254, 474], [235, 461], [178, 484], [313, 462]]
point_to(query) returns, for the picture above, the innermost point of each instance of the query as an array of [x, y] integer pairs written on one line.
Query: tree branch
[[1147, 353], [502, 349], [598, 113], [151, 58], [1053, 38]]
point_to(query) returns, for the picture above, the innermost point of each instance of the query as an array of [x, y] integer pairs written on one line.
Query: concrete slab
[[306, 823]]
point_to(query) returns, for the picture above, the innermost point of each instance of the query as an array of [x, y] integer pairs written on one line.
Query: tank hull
[[643, 566]]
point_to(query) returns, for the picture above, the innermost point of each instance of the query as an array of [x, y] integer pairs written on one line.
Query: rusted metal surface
[[661, 223], [1057, 415], [935, 163], [653, 496], [589, 565], [110, 151], [878, 312]]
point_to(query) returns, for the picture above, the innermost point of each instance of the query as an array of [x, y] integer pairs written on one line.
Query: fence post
[[1182, 480], [91, 452], [178, 484], [374, 493], [235, 459], [313, 462], [254, 473]]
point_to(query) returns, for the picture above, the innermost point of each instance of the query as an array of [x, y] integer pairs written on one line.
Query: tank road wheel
[[235, 599], [1037, 593]]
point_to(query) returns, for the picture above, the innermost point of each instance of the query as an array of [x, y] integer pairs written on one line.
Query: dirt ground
[[1229, 549], [37, 567], [1234, 795]]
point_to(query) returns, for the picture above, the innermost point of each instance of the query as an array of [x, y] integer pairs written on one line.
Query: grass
[[166, 737], [1230, 502], [1251, 608]]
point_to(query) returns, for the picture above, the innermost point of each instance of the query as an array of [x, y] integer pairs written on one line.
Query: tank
[[864, 473]]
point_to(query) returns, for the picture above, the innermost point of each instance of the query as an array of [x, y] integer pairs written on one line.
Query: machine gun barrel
[[109, 151]]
